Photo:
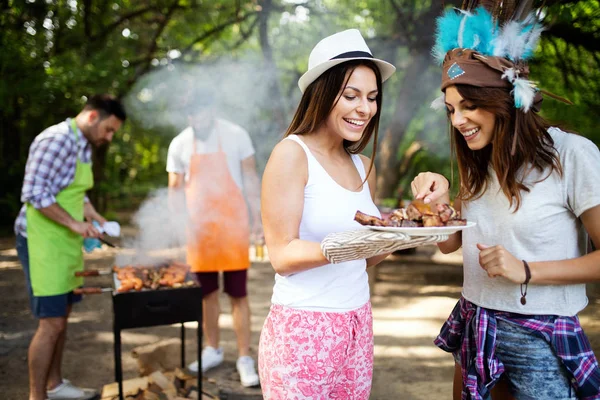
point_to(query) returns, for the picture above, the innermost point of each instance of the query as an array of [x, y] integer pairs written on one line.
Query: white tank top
[[328, 207]]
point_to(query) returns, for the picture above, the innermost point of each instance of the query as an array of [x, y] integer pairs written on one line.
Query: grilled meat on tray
[[417, 214], [366, 219]]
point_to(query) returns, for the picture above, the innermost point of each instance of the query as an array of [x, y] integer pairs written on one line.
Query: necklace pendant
[[523, 300]]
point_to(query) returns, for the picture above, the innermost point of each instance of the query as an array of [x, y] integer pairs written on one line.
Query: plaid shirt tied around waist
[[472, 331]]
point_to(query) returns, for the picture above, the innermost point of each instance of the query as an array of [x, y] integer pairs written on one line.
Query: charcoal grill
[[146, 308]]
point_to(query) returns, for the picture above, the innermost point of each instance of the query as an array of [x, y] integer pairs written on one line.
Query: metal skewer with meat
[[137, 278]]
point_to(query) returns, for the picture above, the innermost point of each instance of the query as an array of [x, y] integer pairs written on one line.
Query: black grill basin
[[146, 308]]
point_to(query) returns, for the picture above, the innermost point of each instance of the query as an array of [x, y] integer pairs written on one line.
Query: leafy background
[[151, 53]]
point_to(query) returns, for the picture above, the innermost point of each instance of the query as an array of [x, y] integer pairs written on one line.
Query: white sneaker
[[211, 357], [67, 391], [248, 375]]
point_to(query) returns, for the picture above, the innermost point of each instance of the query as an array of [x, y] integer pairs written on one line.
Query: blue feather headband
[[478, 31], [514, 42]]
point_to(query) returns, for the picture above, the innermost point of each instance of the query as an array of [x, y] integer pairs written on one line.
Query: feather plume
[[523, 93], [517, 40], [533, 32], [509, 74], [439, 103], [479, 31], [523, 9], [446, 37]]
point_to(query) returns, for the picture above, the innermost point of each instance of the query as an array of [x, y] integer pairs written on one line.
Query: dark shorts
[[43, 306], [234, 282]]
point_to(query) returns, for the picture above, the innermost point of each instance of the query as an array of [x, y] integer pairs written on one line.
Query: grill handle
[[91, 290], [159, 307]]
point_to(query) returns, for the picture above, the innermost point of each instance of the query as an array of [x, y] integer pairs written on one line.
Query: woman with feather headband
[[533, 190]]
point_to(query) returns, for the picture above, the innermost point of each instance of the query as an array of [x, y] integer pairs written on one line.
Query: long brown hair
[[321, 96], [534, 147]]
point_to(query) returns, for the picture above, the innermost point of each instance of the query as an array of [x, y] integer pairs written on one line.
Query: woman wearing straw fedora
[[533, 191], [317, 341]]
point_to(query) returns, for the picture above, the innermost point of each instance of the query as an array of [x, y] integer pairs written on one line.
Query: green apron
[[54, 250]]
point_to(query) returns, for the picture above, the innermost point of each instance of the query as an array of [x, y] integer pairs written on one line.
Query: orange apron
[[219, 227]]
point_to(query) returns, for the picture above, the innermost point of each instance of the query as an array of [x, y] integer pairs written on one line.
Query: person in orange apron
[[218, 229], [50, 230]]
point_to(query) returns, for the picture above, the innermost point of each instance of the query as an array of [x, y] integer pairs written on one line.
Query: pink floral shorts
[[316, 355]]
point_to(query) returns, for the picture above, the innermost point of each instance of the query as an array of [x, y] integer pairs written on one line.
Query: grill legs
[[182, 345], [118, 365]]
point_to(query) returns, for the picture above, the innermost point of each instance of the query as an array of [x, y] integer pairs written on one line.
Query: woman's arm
[[454, 241], [577, 270], [497, 261], [282, 204], [434, 188]]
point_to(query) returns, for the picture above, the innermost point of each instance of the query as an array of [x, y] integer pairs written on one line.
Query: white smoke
[[161, 222], [240, 90]]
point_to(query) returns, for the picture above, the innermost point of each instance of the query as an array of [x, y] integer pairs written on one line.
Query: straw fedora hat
[[336, 49]]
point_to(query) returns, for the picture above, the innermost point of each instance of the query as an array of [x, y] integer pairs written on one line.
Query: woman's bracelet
[[527, 278]]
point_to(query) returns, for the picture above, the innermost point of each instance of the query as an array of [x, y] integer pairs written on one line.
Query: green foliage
[[569, 65]]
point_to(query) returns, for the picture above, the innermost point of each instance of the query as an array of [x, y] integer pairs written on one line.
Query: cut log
[[159, 356], [165, 385], [131, 387]]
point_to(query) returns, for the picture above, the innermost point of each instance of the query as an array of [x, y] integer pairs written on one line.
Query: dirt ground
[[412, 296]]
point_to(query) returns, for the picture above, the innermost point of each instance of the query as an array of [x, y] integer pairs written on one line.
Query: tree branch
[[402, 19], [244, 35], [396, 7], [219, 28], [563, 67], [587, 40], [99, 37], [154, 44], [126, 17]]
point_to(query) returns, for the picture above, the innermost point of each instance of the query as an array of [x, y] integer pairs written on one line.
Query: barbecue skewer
[[92, 290]]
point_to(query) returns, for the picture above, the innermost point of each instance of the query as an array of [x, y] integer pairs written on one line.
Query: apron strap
[[76, 132]]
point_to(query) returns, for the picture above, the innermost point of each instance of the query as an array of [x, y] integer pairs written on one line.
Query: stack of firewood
[[175, 385], [160, 377]]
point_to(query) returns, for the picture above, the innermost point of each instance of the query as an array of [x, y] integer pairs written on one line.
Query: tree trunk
[[418, 83], [14, 154], [98, 195], [276, 99]]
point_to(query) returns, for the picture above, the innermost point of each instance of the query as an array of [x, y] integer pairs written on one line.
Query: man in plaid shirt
[[50, 228]]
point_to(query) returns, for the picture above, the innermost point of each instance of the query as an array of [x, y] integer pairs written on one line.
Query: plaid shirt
[[472, 331], [50, 167]]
